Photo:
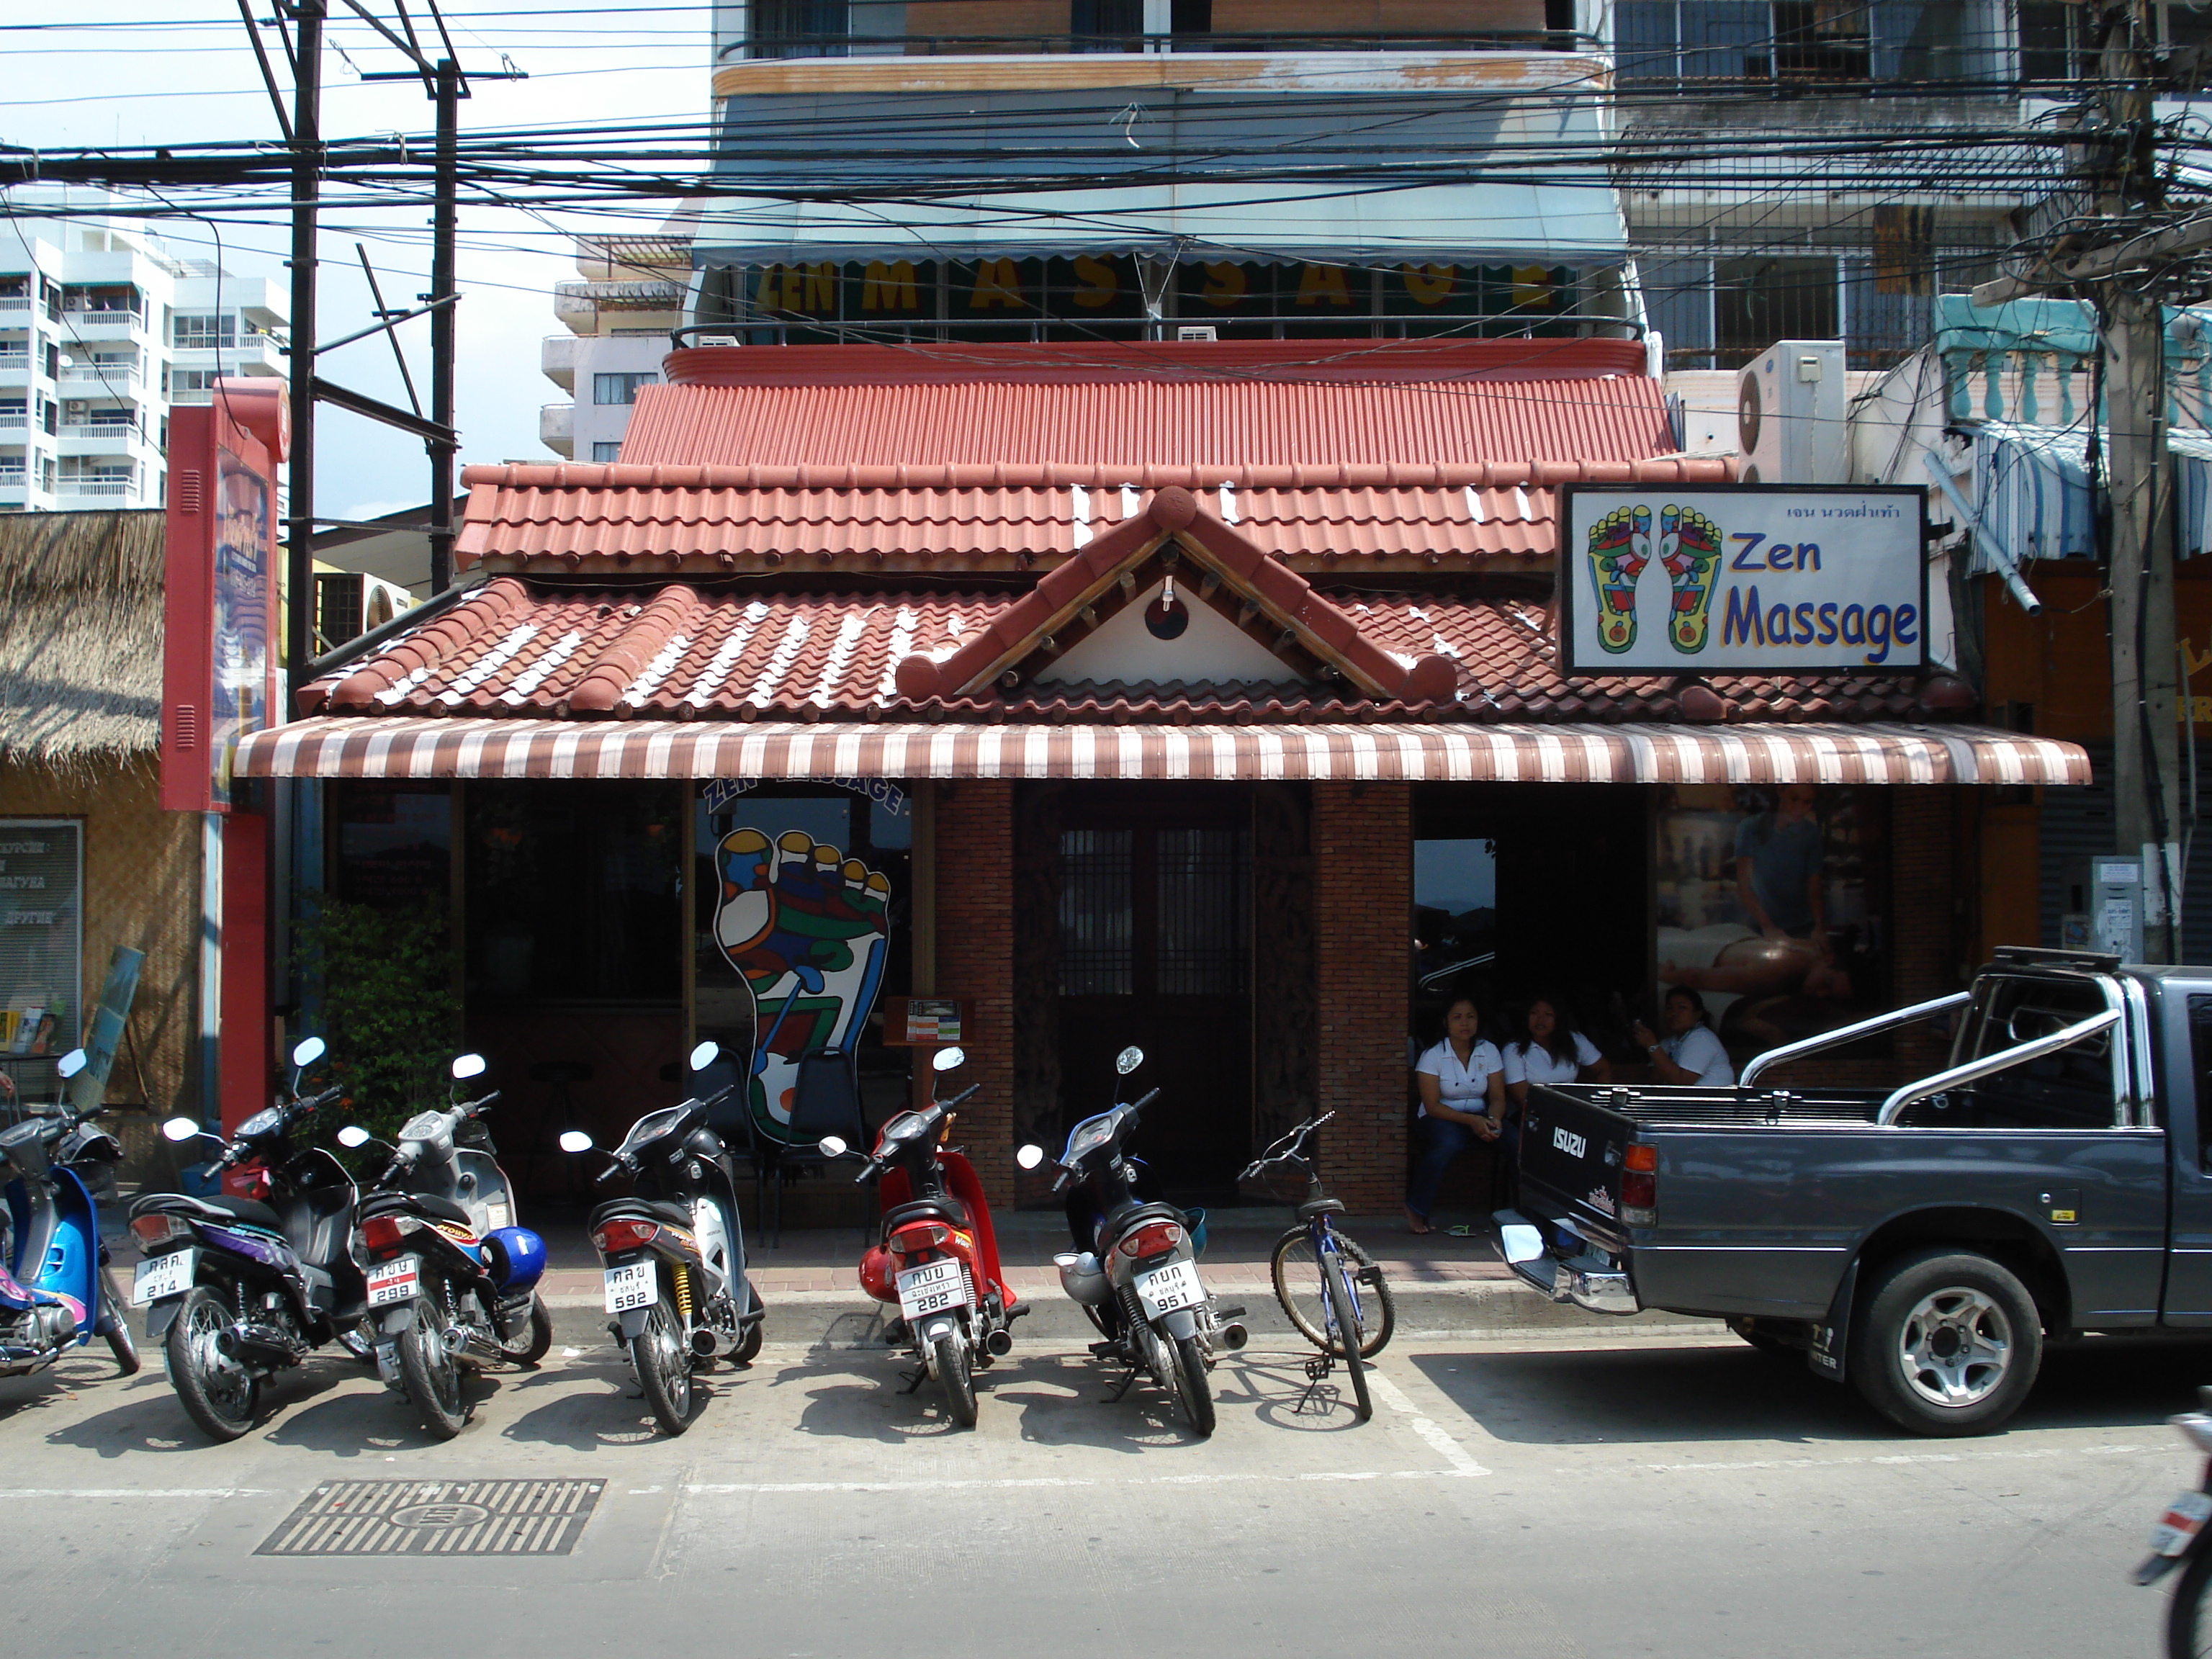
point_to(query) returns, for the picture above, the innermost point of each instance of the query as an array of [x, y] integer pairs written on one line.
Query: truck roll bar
[[2034, 1048], [1852, 1033]]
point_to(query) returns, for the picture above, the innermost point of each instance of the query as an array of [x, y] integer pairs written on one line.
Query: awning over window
[[393, 747]]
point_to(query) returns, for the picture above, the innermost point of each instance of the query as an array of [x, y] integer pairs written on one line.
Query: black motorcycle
[[240, 1288], [1134, 1269], [674, 1251], [452, 1281]]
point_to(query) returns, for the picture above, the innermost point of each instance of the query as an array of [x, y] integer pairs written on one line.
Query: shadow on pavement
[[1660, 1395], [597, 1408]]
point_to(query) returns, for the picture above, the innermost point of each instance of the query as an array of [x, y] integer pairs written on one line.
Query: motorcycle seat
[[250, 1210], [926, 1209], [641, 1209], [438, 1209], [1129, 1216]]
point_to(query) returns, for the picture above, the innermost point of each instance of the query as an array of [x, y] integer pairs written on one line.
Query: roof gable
[[1217, 565], [1194, 644]]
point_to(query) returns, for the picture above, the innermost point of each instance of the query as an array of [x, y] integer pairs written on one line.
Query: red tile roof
[[713, 519], [686, 651], [1131, 405]]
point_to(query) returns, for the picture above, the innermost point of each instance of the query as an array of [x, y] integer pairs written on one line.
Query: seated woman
[[1691, 1053], [1463, 1085], [1551, 1050]]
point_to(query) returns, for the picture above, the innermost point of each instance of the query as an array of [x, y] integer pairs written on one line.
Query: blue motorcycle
[[56, 1292]]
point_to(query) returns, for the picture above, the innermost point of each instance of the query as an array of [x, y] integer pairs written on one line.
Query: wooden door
[[1155, 948]]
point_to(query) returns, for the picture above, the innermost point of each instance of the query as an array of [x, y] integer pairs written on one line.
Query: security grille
[[1203, 911], [437, 1518], [1097, 944]]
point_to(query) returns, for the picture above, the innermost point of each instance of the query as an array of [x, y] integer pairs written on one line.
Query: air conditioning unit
[[1792, 416], [1199, 331]]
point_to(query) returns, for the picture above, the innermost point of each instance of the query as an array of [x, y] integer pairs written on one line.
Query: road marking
[[1463, 1461], [1019, 1482], [1908, 1457], [7, 1492]]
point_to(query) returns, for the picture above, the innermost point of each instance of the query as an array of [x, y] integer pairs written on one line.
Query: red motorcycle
[[938, 1258]]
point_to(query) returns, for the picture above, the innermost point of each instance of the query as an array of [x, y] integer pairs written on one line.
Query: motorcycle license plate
[[2184, 1519], [633, 1284], [931, 1288], [163, 1277], [1165, 1288], [394, 1281]]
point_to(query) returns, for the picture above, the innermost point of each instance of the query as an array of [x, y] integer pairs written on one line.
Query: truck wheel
[[1948, 1343]]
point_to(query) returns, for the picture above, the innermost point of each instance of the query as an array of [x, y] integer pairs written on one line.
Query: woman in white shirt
[[1691, 1054], [1463, 1085], [1551, 1050]]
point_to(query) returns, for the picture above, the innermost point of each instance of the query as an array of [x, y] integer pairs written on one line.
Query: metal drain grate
[[437, 1518]]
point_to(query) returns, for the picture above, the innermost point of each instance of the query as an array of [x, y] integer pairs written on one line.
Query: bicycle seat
[[1314, 1206]]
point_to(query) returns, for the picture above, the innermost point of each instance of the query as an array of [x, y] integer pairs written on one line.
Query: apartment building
[[102, 331], [619, 315]]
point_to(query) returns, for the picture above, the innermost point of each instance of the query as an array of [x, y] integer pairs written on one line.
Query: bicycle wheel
[[1297, 1272], [1350, 1342]]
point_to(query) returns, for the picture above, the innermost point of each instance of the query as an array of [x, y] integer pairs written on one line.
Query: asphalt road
[[1525, 1495]]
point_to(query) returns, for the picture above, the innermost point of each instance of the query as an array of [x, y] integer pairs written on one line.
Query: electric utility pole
[[2121, 155], [445, 225], [307, 16]]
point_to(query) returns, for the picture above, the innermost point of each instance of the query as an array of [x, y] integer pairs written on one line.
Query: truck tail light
[[1640, 1186]]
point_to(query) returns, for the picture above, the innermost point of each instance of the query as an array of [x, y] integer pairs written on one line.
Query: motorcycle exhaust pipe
[[707, 1342], [1234, 1336], [253, 1345], [456, 1339], [1000, 1343]]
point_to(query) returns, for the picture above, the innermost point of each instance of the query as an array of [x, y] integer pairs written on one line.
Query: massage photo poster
[[1738, 579]]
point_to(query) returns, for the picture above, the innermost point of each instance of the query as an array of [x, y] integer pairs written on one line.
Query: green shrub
[[384, 980]]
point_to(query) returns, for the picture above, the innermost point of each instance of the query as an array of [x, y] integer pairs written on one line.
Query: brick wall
[[1363, 852], [975, 960]]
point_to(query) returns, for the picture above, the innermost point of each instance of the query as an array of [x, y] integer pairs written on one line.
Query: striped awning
[[392, 747]]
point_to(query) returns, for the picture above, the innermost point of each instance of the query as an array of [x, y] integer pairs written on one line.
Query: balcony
[[15, 302], [557, 429], [248, 354], [98, 379], [98, 437], [557, 360], [95, 489], [14, 420], [582, 304], [104, 324], [15, 365]]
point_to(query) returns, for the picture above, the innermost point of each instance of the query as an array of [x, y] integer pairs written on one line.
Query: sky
[[181, 71]]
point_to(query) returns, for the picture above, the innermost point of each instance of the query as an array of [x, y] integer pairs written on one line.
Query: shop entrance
[[1155, 940]]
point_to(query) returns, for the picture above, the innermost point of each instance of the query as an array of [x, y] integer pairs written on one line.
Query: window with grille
[[1097, 914], [204, 333], [1203, 909]]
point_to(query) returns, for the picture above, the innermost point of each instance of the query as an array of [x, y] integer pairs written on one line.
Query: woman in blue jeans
[[1462, 1085]]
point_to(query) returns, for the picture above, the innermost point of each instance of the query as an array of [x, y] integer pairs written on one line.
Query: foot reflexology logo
[[808, 928], [1688, 548]]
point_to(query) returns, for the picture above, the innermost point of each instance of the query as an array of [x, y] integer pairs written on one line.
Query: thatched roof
[[80, 636]]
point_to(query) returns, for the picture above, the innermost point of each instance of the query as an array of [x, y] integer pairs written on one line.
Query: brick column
[[1363, 854], [976, 960]]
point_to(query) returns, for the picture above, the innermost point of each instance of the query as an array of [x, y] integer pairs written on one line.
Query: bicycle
[[1341, 1323]]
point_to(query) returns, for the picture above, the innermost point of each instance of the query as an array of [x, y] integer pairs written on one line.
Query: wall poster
[[42, 950], [793, 929], [1773, 905]]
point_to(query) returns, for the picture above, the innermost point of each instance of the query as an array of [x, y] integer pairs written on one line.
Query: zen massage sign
[[1742, 578]]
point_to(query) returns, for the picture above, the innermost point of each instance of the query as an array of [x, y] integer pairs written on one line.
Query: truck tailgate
[[1570, 1158]]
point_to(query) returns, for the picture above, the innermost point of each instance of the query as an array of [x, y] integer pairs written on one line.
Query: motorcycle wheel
[[218, 1395], [432, 1375], [1193, 1391], [959, 1381], [530, 1346], [664, 1367], [114, 1324], [2188, 1627], [1350, 1338]]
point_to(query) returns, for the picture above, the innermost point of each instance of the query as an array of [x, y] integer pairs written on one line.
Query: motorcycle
[[673, 1252], [451, 1282], [240, 1288], [1134, 1269], [56, 1290], [2182, 1539], [937, 1259]]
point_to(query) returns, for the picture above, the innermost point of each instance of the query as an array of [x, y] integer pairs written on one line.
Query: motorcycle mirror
[[71, 1063], [833, 1146], [180, 1129], [705, 1055], [1129, 1059], [948, 1060], [575, 1140], [1029, 1156], [353, 1135], [309, 1051], [468, 1066]]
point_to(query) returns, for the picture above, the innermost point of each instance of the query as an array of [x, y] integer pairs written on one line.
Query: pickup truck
[[1920, 1242]]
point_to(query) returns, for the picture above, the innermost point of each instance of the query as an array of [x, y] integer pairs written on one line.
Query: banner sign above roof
[[1743, 579]]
